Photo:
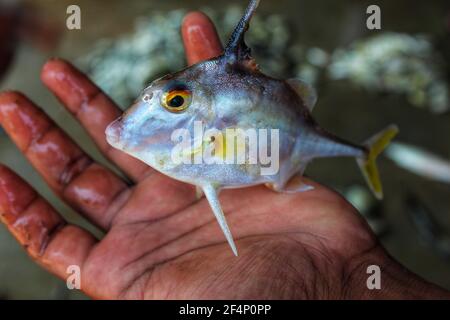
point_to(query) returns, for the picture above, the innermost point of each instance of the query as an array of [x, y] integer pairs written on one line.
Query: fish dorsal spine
[[236, 49]]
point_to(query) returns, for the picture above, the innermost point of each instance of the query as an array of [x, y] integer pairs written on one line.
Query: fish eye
[[176, 100]]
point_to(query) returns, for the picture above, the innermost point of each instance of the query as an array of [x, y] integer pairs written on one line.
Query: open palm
[[161, 242]]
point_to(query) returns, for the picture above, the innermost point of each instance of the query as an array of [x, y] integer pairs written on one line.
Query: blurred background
[[365, 79]]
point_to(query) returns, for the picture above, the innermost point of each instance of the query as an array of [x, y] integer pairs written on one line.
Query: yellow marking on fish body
[[219, 148]]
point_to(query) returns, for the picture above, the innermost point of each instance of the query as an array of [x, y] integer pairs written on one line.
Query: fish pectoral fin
[[305, 91], [294, 185], [211, 194]]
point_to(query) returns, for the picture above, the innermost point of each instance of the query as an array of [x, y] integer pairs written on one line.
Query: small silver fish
[[230, 92]]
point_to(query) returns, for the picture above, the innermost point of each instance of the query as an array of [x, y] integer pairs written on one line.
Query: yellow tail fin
[[376, 145]]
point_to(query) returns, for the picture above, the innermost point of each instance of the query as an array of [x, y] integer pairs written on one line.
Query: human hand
[[161, 242]]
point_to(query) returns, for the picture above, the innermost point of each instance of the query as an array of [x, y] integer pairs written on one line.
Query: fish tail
[[375, 145]]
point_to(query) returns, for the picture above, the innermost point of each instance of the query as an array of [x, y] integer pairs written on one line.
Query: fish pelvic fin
[[211, 194], [236, 48], [375, 145]]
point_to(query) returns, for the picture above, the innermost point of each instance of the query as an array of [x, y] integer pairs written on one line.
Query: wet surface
[[351, 113]]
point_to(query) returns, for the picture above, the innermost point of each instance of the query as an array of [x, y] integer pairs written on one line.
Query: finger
[[87, 186], [200, 38], [45, 235], [91, 107]]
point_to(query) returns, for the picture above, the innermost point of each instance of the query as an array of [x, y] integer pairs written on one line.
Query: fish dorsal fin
[[305, 91], [236, 49]]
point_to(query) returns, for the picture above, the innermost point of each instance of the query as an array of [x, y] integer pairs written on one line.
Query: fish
[[229, 94]]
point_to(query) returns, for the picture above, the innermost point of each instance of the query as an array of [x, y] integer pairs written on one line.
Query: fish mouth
[[113, 132]]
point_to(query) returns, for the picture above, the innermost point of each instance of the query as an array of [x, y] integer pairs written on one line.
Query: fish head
[[179, 100], [173, 102]]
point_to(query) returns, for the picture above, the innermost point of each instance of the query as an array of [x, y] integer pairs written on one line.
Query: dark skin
[[161, 242]]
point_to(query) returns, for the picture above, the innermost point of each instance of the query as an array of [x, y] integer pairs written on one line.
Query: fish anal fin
[[305, 91], [294, 185]]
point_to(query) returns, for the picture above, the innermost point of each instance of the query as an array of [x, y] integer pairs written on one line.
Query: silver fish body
[[226, 98]]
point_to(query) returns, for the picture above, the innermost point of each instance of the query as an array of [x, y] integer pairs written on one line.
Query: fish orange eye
[[176, 100]]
